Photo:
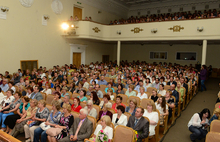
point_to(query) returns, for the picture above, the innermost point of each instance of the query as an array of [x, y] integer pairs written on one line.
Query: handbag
[[44, 126], [53, 131], [31, 123]]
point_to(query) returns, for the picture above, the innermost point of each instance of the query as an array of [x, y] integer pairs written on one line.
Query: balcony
[[198, 29]]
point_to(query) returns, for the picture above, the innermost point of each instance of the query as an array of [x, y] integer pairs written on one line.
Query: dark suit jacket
[[176, 95], [174, 82], [85, 130], [186, 87], [77, 83], [142, 125], [108, 113], [38, 96]]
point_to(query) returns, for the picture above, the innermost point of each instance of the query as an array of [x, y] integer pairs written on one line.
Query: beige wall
[[213, 56], [23, 37]]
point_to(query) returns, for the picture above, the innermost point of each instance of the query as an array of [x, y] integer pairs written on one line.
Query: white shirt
[[108, 130], [163, 92], [9, 100], [86, 85], [195, 121], [102, 103], [123, 120], [153, 116], [1, 96], [13, 88], [48, 91], [142, 96], [158, 106]]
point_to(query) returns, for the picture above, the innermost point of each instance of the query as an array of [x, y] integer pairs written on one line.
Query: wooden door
[[77, 12], [77, 59], [105, 58]]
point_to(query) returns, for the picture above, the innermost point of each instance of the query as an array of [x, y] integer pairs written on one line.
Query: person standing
[[203, 74]]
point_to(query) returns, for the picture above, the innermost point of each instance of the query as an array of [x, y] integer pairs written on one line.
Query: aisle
[[206, 99]]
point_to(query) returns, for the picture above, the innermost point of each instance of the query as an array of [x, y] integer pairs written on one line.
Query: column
[[204, 51], [118, 52]]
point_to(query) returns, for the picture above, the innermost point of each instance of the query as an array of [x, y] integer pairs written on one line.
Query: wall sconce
[[4, 9], [200, 29], [46, 17], [119, 32], [153, 30]]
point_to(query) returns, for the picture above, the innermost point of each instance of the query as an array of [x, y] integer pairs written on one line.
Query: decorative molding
[[96, 29], [176, 28], [27, 3], [57, 6], [136, 30]]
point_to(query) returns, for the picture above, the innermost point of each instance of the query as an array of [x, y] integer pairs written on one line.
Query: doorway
[[105, 58], [77, 12], [77, 59]]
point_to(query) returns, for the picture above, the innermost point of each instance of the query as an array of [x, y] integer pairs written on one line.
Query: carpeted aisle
[[206, 99]]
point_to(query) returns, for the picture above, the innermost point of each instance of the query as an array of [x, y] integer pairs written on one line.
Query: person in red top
[[76, 105], [117, 103]]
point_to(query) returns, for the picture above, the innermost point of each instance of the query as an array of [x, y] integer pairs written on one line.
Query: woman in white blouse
[[47, 89], [162, 107], [148, 83], [198, 124], [119, 118], [142, 95], [152, 115], [105, 126], [7, 99], [161, 90]]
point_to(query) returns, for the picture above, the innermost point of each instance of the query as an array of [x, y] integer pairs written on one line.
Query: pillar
[[118, 52], [204, 51]]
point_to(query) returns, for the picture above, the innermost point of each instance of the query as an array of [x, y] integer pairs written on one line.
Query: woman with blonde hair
[[105, 111], [65, 123], [21, 89], [142, 94], [170, 102], [180, 89], [52, 121], [110, 93], [152, 115], [130, 91], [28, 115], [104, 126], [41, 115], [132, 107], [215, 116]]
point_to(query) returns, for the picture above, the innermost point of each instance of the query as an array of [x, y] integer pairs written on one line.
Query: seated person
[[91, 110], [105, 127], [130, 91], [82, 96], [215, 116], [65, 123], [76, 105], [154, 96], [109, 87], [161, 90], [132, 107], [65, 100], [64, 92], [119, 118], [180, 90], [105, 111], [120, 89], [94, 98], [81, 129], [152, 115], [57, 97], [142, 95], [117, 103], [47, 89], [139, 124], [162, 107], [106, 99], [110, 93]]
